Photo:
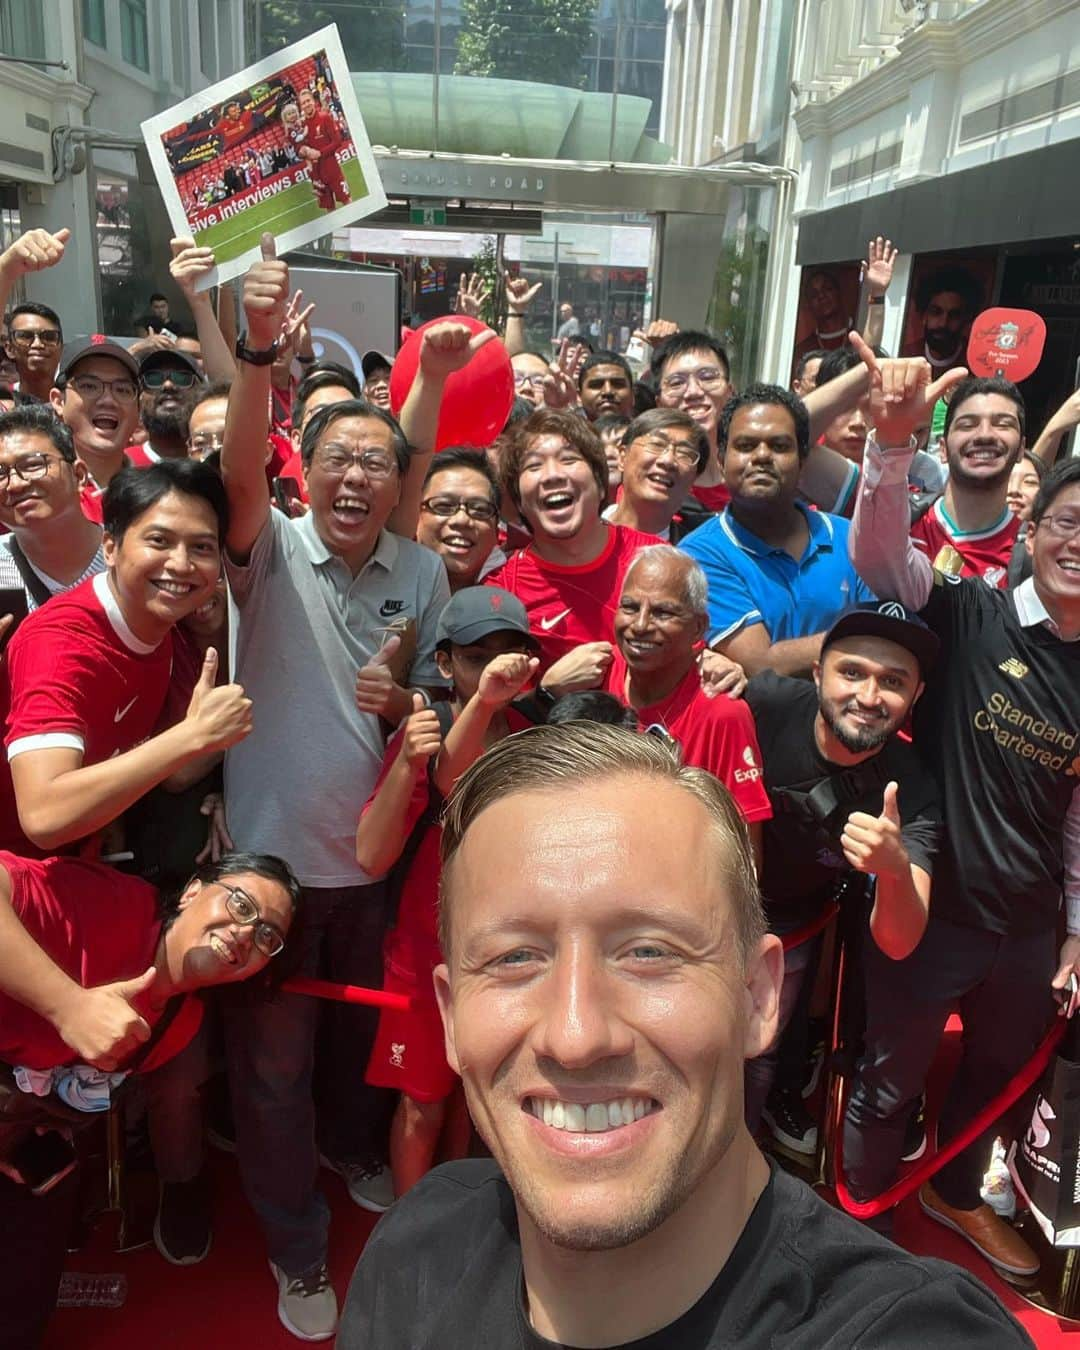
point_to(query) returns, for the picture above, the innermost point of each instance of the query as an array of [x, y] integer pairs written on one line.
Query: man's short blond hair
[[574, 755]]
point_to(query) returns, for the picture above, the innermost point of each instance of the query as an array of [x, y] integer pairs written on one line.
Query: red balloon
[[476, 401]]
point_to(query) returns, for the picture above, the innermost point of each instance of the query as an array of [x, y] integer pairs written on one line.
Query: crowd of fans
[[663, 648]]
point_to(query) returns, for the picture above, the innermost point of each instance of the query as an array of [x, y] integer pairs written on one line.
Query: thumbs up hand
[[217, 717], [266, 295], [423, 736], [101, 1025], [873, 844], [375, 684]]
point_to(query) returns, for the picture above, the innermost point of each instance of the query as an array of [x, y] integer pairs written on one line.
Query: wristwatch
[[876, 300], [266, 357]]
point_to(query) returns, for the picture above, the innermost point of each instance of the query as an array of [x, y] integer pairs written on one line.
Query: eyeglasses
[[535, 381], [91, 388], [28, 467], [684, 453], [476, 508], [205, 443], [156, 379], [706, 376], [245, 911], [373, 462], [1062, 527], [26, 337]]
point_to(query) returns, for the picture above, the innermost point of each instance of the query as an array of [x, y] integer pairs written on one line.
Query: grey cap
[[476, 611]]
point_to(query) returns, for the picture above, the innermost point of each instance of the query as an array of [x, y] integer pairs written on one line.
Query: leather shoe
[[991, 1236]]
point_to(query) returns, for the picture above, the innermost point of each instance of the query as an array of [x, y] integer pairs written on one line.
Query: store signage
[[432, 214], [459, 180]]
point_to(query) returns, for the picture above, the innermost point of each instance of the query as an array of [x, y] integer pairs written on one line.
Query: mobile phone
[[43, 1160], [12, 601], [286, 491], [1067, 997]]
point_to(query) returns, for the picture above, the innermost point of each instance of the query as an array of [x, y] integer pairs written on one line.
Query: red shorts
[[409, 1053]]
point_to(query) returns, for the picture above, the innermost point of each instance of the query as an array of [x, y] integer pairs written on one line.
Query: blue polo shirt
[[752, 582]]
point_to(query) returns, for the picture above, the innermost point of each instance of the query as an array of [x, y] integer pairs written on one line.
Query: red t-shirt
[[713, 498], [986, 554], [293, 467], [717, 734], [90, 496], [571, 605], [322, 133], [75, 676], [98, 926], [417, 911]]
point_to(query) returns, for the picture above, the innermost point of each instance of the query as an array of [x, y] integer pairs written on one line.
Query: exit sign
[[427, 215]]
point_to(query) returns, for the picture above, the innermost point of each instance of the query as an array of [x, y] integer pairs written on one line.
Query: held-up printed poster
[[280, 146]]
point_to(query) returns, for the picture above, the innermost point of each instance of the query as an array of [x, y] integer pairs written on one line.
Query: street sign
[[431, 214]]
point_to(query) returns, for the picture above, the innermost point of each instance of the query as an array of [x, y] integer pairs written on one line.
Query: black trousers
[[33, 1242]]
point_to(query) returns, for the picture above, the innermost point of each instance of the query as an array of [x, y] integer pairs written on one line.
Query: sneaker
[[915, 1132], [817, 1056], [790, 1123], [182, 1228], [997, 1188], [370, 1185], [991, 1236], [307, 1304]]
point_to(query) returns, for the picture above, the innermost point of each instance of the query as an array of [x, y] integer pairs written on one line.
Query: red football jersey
[[98, 926], [717, 734], [713, 498], [76, 676], [986, 553], [571, 605]]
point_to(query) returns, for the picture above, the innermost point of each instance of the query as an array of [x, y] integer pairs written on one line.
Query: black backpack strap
[[161, 1026], [39, 592]]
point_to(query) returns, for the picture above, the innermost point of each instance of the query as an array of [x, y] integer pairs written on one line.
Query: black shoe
[[817, 1057], [182, 1228], [790, 1123], [915, 1133]]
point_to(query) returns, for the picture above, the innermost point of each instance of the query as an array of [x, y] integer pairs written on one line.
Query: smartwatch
[[264, 358]]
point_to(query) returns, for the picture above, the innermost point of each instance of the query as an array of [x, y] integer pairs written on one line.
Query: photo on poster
[[828, 306], [946, 292], [280, 146]]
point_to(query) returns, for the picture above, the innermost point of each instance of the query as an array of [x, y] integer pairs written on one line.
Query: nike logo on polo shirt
[[548, 624], [121, 713], [388, 608]]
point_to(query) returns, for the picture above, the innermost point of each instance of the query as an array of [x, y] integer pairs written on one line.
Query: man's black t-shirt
[[442, 1271], [999, 725], [812, 799]]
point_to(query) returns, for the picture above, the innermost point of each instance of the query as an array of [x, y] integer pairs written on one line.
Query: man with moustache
[[167, 380], [948, 300], [606, 386], [847, 794], [778, 572], [606, 977]]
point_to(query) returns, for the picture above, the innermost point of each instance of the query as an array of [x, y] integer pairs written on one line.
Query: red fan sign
[[1006, 342]]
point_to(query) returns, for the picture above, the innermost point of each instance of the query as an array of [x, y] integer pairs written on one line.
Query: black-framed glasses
[[476, 508], [90, 387], [26, 337], [245, 912], [684, 452], [521, 380], [1063, 526], [156, 379], [28, 467], [375, 463]]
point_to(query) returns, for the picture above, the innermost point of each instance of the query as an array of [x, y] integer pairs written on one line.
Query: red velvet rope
[[900, 1190], [811, 929], [347, 993]]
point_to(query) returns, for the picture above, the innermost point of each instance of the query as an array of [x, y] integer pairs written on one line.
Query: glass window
[[93, 21], [134, 40], [22, 29], [208, 59]]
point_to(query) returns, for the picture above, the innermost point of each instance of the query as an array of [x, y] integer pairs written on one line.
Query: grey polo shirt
[[302, 626]]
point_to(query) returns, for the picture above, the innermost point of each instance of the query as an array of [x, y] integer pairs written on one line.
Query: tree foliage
[[372, 31], [541, 40]]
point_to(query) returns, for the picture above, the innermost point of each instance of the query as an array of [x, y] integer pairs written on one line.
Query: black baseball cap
[[373, 361], [476, 611], [170, 356], [887, 619], [96, 345]]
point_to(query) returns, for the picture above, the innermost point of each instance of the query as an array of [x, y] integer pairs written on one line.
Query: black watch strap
[[266, 357]]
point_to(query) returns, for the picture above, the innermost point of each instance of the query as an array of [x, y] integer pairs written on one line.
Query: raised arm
[[384, 828], [1062, 422], [33, 251], [874, 846], [519, 296], [902, 399], [189, 263], [444, 348], [877, 274], [243, 455], [502, 680]]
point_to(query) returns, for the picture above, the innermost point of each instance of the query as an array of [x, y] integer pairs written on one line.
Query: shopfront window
[[22, 29]]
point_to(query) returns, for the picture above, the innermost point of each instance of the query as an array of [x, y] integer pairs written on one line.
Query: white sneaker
[[307, 1305], [372, 1188], [997, 1188]]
